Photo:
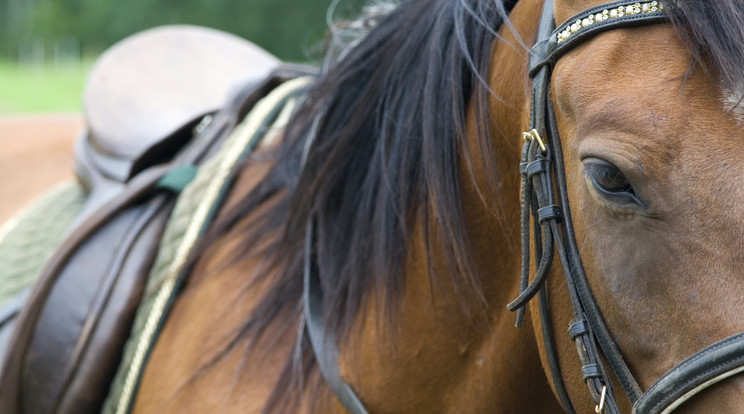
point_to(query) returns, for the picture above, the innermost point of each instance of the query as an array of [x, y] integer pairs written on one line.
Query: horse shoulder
[[184, 373]]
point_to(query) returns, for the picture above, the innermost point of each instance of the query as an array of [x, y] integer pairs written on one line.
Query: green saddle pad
[[30, 237]]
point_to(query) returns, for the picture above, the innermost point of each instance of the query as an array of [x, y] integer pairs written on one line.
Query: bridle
[[546, 215]]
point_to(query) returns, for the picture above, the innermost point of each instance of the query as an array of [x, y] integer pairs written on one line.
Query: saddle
[[157, 105], [145, 95]]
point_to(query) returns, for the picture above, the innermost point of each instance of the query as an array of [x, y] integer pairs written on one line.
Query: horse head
[[648, 117]]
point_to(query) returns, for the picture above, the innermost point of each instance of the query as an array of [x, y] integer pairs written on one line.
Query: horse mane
[[388, 121], [388, 117]]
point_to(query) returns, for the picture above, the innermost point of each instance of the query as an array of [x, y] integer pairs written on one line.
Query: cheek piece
[[543, 178]]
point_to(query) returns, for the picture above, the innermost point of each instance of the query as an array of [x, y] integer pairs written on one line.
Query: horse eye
[[610, 182], [607, 177]]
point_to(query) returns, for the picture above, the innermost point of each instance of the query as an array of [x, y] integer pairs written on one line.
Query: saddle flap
[[148, 87]]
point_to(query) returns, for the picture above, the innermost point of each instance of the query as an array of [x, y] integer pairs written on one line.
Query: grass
[[25, 89]]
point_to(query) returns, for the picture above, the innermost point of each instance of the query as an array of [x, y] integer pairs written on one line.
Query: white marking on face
[[733, 101]]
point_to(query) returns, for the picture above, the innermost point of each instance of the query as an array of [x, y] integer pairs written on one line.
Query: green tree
[[290, 29]]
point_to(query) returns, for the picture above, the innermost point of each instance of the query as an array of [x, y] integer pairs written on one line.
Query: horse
[[432, 173]]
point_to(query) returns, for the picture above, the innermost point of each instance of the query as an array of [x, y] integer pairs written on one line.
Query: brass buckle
[[533, 135]]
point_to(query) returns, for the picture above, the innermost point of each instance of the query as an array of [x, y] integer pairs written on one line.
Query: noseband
[[543, 180]]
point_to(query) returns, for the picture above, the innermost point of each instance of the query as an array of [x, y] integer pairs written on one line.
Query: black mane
[[389, 125]]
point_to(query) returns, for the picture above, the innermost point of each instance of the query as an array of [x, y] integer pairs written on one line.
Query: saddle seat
[[145, 94], [149, 87]]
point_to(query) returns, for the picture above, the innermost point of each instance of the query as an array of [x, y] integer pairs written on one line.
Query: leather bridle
[[546, 215]]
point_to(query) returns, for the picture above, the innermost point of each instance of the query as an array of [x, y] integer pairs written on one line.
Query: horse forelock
[[391, 116]]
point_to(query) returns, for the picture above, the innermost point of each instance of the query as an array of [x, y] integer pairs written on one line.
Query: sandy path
[[35, 154]]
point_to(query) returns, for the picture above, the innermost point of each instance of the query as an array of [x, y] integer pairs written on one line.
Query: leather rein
[[545, 201]]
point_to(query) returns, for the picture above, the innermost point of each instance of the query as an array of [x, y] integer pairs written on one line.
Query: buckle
[[533, 135]]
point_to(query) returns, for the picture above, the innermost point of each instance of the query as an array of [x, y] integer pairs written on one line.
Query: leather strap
[[24, 334], [705, 368], [20, 386], [8, 313], [538, 182], [541, 167], [192, 214], [550, 49], [711, 365], [584, 305], [324, 345]]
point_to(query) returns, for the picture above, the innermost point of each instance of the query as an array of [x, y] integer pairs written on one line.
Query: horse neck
[[436, 357]]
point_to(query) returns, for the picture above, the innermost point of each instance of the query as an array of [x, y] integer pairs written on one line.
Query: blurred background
[[47, 46]]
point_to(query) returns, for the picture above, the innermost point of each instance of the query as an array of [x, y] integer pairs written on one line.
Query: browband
[[589, 23]]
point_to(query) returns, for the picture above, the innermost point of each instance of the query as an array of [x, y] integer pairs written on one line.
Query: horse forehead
[[621, 62], [636, 79]]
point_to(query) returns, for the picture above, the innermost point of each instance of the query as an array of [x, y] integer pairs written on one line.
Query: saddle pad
[[193, 211], [26, 242], [30, 237]]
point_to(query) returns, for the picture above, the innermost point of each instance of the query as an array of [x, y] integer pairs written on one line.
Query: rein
[[543, 177]]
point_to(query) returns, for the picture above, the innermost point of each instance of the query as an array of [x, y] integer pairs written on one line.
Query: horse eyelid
[[596, 166]]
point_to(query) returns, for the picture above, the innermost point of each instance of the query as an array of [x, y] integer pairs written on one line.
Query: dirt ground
[[35, 154]]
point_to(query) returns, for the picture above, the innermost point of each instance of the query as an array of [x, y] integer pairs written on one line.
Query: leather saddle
[[144, 96], [156, 106]]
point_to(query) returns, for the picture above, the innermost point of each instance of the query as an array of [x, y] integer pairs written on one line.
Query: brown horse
[[412, 188]]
